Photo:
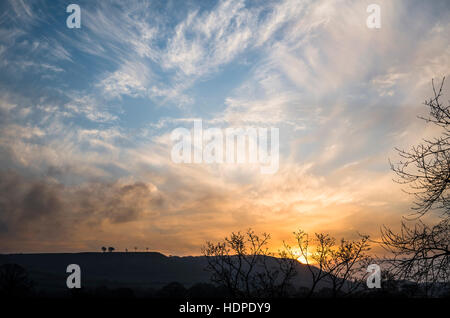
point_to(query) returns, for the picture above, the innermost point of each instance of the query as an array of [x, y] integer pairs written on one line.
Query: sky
[[86, 116]]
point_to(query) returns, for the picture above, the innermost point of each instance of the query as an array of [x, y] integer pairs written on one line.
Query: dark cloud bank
[[33, 210]]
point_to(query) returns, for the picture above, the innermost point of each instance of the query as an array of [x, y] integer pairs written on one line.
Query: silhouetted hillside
[[150, 270]]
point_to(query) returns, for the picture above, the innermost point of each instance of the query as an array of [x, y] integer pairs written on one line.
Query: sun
[[302, 259]]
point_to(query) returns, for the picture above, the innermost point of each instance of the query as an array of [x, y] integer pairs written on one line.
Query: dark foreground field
[[124, 274], [152, 275]]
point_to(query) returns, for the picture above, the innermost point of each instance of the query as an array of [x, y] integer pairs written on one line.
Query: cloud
[[89, 107], [131, 79], [123, 29], [204, 41], [23, 12], [42, 209], [82, 138]]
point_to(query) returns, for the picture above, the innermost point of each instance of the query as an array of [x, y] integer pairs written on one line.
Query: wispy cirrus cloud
[[86, 117]]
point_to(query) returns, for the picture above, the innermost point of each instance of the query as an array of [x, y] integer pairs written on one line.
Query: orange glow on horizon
[[302, 259]]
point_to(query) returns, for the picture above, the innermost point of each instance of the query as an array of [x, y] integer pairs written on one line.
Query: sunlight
[[302, 259]]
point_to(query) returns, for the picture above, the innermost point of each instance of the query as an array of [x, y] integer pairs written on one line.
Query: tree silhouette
[[243, 264], [421, 252], [135, 248], [14, 281], [111, 249], [348, 266], [341, 264], [103, 249], [426, 167]]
